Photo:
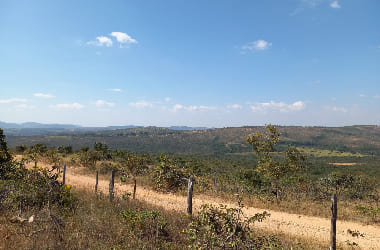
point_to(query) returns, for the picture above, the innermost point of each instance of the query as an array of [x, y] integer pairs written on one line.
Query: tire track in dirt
[[308, 227]]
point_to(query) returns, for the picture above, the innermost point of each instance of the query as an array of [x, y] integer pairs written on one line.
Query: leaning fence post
[[64, 174], [190, 196], [334, 212], [96, 181], [112, 180]]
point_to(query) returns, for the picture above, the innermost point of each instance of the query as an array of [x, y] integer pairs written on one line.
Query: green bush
[[145, 223], [22, 188], [369, 211], [346, 186], [224, 227], [168, 176]]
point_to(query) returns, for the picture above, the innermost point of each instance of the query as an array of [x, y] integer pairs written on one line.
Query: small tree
[[102, 150], [88, 158], [135, 167], [168, 176], [35, 152], [270, 164], [53, 156], [5, 156]]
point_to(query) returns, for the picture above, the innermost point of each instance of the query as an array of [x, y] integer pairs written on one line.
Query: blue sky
[[196, 63]]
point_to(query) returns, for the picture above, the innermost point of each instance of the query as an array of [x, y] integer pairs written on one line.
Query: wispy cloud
[[296, 11], [104, 104], [101, 41], [256, 45], [74, 105], [141, 104], [339, 109], [235, 106], [179, 107], [24, 106], [123, 38], [45, 96], [362, 95], [311, 3], [168, 99], [335, 5], [116, 90], [263, 107], [12, 100]]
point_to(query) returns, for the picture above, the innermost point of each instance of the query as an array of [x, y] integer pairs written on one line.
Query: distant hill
[[36, 129], [187, 128], [36, 125], [216, 141]]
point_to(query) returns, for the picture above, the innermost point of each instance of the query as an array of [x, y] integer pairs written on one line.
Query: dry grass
[[96, 224]]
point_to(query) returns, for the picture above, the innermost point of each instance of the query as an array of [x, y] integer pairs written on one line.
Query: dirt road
[[299, 225]]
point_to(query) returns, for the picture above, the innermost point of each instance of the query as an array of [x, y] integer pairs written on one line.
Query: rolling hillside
[[354, 139]]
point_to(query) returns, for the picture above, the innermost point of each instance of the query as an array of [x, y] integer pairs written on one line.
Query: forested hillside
[[354, 139]]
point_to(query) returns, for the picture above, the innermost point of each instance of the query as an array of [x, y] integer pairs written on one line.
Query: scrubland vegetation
[[39, 212]]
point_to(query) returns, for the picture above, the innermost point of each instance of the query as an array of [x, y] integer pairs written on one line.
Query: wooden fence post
[[134, 188], [334, 212], [112, 180], [190, 196], [64, 174], [215, 184], [96, 181], [49, 200]]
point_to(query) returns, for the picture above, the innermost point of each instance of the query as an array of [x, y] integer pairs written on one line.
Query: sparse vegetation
[[132, 224]]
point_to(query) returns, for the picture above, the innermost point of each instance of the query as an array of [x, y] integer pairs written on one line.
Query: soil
[[344, 163]]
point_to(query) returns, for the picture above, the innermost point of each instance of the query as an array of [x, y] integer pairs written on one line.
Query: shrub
[[168, 176], [145, 223], [369, 211], [346, 185], [224, 227], [21, 188]]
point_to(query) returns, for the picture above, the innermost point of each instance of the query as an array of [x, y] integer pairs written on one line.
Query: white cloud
[[339, 109], [45, 96], [278, 106], [141, 104], [234, 106], [257, 45], [116, 90], [123, 38], [24, 106], [74, 105], [101, 41], [335, 5], [179, 107], [362, 95], [12, 100], [377, 97], [102, 104], [168, 99]]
